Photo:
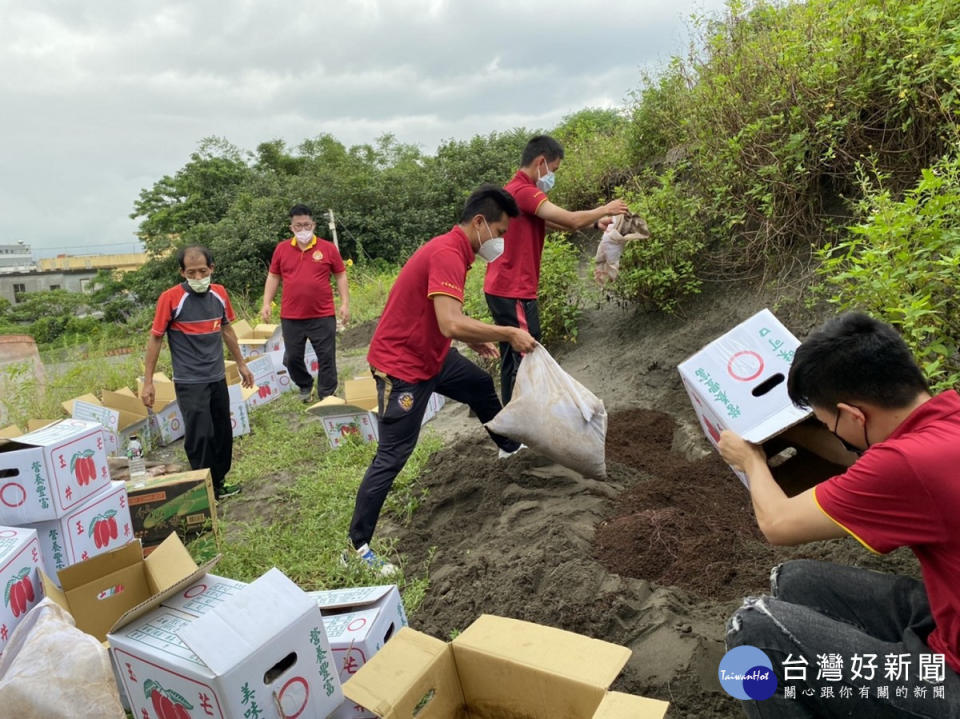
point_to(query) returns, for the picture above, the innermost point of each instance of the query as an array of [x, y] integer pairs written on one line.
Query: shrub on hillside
[[901, 263]]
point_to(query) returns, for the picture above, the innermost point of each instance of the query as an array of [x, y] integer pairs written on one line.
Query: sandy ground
[[655, 557]]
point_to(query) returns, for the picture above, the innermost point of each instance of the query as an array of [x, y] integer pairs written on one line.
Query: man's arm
[[783, 520], [558, 218], [147, 392], [230, 337], [343, 289], [456, 325], [269, 292]]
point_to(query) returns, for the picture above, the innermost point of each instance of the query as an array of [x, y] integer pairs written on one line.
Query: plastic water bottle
[[135, 455]]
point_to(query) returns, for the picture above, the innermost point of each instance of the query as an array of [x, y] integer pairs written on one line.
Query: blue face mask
[[546, 182]]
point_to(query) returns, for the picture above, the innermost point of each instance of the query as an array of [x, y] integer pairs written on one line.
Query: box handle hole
[[424, 702], [767, 385], [279, 668]]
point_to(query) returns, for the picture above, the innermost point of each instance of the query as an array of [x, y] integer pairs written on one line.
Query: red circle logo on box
[[296, 692], [745, 366], [15, 498], [195, 591]]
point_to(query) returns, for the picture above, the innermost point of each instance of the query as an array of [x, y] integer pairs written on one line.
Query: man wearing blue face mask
[[196, 315], [511, 283], [410, 354]]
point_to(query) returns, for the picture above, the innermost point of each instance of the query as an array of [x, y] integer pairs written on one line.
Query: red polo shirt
[[407, 343], [905, 491], [305, 274], [516, 273]]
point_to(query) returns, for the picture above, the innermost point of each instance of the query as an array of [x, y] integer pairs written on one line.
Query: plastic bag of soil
[[555, 415], [51, 669]]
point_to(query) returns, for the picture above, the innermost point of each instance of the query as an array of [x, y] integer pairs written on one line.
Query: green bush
[[661, 271], [561, 291], [901, 263]]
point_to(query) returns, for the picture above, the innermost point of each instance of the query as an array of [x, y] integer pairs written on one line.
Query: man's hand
[[616, 207], [485, 349], [266, 313], [246, 376], [604, 222], [522, 341], [738, 452], [344, 313], [147, 393]]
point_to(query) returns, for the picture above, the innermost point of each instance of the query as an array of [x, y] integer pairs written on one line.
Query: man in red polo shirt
[[860, 379], [512, 283], [304, 263], [410, 354]]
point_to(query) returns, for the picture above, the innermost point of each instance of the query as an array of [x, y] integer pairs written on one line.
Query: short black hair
[[301, 210], [491, 202], [541, 145], [855, 358], [194, 250]]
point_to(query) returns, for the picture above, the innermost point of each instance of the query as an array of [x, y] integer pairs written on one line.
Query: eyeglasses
[[302, 226]]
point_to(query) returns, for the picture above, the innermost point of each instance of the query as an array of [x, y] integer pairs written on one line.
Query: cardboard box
[[34, 424], [88, 407], [341, 420], [166, 421], [122, 415], [739, 382], [361, 392], [113, 589], [265, 379], [260, 652], [20, 565], [47, 473], [358, 622], [498, 667], [10, 431], [250, 345], [239, 412], [99, 524], [208, 592], [232, 372], [283, 376], [183, 503]]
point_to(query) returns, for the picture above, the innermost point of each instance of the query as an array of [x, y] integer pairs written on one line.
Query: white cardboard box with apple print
[[20, 558]]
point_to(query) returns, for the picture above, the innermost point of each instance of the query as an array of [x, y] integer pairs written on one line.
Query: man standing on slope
[[860, 379], [196, 315], [410, 355], [511, 284], [305, 263]]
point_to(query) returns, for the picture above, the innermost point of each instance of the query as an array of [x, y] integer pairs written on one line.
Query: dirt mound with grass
[[654, 558]]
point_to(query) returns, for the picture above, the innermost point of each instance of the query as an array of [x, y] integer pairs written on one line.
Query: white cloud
[[103, 98]]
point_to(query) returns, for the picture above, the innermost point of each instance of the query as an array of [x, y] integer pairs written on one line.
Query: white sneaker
[[504, 454], [382, 566]]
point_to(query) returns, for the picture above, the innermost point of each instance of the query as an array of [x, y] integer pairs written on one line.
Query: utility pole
[[333, 228]]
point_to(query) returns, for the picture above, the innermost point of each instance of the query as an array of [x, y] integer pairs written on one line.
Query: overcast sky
[[100, 98]]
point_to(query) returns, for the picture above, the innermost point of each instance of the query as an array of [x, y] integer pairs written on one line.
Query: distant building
[[16, 258], [74, 273]]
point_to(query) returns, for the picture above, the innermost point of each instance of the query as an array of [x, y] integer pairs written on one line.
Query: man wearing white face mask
[[512, 283], [305, 264], [196, 315], [410, 355]]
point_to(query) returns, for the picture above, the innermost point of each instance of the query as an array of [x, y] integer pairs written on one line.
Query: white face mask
[[492, 248], [303, 236], [201, 285], [546, 182]]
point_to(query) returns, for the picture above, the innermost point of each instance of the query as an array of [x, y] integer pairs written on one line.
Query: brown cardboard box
[[112, 589], [498, 667], [183, 503], [10, 431]]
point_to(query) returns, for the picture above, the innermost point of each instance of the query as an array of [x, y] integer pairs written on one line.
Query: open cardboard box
[[111, 590], [34, 424], [498, 667], [359, 621], [21, 564], [122, 414], [256, 650], [256, 341], [739, 382], [10, 431], [166, 420]]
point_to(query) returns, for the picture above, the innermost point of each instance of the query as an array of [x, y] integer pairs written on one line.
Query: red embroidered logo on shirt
[[317, 255]]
